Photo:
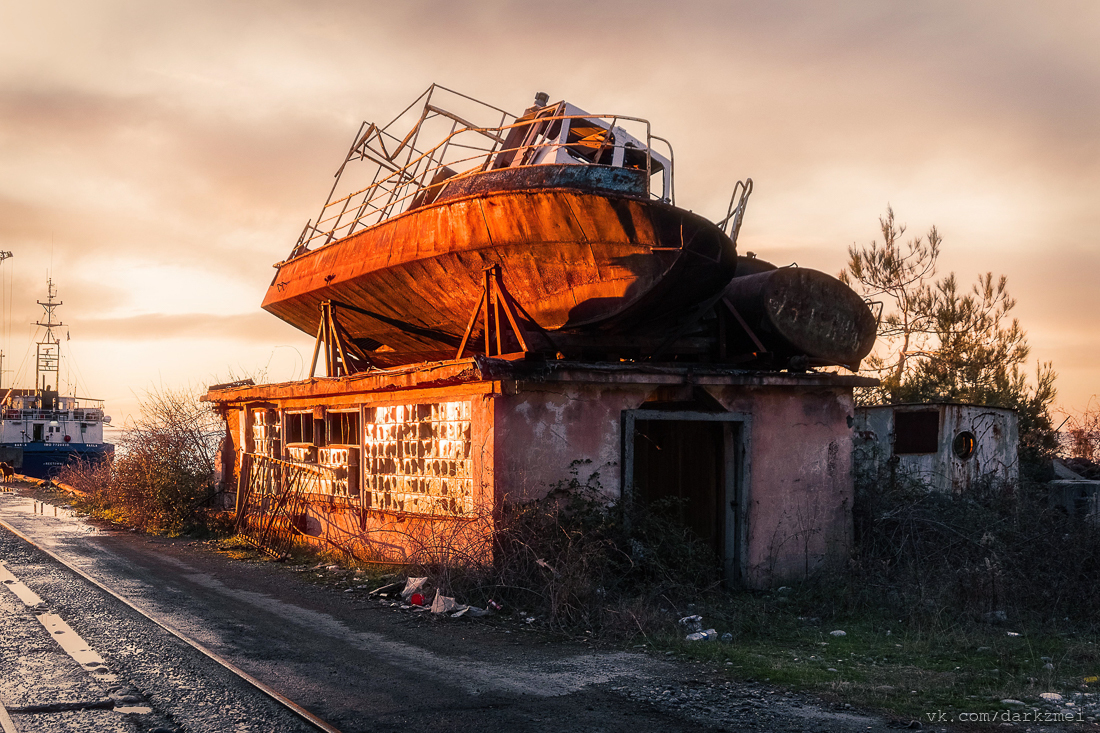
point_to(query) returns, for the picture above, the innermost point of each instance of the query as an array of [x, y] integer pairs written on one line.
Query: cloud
[[259, 327]]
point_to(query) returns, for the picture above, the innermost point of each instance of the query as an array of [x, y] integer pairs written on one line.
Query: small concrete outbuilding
[[410, 462], [946, 446]]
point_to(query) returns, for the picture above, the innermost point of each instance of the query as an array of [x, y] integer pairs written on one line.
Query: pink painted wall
[[799, 479]]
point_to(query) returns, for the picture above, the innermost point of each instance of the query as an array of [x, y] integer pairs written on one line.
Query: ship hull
[[582, 264], [46, 460]]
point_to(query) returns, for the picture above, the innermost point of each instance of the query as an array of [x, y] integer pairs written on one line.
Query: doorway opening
[[698, 460]]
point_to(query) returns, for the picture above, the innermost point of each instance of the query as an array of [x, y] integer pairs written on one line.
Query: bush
[[577, 562], [163, 475], [996, 552]]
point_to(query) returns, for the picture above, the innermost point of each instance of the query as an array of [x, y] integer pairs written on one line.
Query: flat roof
[[482, 369]]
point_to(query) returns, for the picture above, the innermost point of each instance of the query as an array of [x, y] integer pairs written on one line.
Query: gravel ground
[[361, 664]]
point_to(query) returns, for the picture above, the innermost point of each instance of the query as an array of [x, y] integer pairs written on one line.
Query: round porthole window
[[964, 444]]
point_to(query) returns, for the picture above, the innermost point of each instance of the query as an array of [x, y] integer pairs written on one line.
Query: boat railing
[[78, 415], [404, 176]]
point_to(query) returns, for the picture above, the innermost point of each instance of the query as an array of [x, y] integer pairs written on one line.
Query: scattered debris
[[838, 632], [1050, 696], [1010, 701], [708, 635], [1011, 633], [727, 638], [417, 599], [412, 585], [692, 623], [442, 603], [384, 587]]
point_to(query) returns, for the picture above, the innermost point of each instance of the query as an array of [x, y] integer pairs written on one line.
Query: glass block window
[[417, 458]]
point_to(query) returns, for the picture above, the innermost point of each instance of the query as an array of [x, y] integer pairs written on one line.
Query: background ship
[[553, 233], [42, 430]]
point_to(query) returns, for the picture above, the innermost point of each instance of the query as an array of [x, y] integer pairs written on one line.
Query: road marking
[[16, 586], [69, 641]]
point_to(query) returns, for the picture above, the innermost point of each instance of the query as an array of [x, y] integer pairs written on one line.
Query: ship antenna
[[3, 256], [49, 347]]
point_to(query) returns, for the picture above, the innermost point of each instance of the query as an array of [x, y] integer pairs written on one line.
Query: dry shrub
[[576, 562], [950, 558], [1082, 434], [162, 477]]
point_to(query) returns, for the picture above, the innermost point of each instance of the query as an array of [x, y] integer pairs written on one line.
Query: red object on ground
[[417, 599]]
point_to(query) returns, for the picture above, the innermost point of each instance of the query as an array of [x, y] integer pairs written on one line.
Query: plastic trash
[[442, 604], [692, 623], [412, 585], [708, 635]]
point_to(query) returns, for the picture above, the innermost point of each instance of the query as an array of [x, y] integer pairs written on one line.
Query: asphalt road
[[356, 663]]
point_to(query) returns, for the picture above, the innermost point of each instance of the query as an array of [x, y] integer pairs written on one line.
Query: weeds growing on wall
[[162, 477]]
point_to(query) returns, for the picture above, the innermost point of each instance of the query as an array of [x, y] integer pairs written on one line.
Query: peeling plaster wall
[[799, 493], [798, 485], [551, 433]]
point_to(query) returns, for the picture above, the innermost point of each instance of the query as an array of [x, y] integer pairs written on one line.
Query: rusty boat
[[461, 229]]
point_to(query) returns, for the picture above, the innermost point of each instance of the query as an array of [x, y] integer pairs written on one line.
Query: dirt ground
[[360, 662]]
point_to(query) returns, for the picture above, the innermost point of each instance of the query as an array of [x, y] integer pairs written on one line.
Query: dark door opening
[[36, 433], [696, 463]]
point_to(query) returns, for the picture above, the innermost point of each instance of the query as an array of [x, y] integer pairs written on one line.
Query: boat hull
[[46, 460], [582, 264]]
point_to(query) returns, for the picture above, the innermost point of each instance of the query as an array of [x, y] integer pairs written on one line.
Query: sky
[[157, 158]]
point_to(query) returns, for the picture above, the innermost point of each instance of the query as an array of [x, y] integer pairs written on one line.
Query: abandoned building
[[405, 463], [946, 446], [517, 304]]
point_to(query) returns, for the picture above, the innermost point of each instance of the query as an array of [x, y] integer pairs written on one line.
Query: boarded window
[[916, 431], [417, 459], [265, 432]]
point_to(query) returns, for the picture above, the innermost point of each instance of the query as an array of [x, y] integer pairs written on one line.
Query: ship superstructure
[[42, 430]]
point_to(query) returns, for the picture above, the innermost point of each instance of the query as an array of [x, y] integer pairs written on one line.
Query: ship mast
[[49, 348], [3, 256]]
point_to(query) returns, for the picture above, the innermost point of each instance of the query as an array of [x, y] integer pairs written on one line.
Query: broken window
[[343, 428], [299, 428], [916, 431], [417, 458], [964, 444]]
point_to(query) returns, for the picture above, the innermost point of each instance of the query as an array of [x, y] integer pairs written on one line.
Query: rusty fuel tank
[[796, 311]]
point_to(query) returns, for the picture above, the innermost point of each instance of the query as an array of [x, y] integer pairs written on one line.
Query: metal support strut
[[342, 356], [494, 299]]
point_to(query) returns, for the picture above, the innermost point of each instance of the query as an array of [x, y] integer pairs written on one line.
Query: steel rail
[[284, 701]]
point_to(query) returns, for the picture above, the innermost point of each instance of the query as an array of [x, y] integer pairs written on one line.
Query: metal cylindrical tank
[[799, 311]]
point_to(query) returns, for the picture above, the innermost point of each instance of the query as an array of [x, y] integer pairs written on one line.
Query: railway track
[[90, 663]]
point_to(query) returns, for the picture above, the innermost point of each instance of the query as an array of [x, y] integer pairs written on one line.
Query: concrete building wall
[[796, 482], [947, 465], [785, 484]]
